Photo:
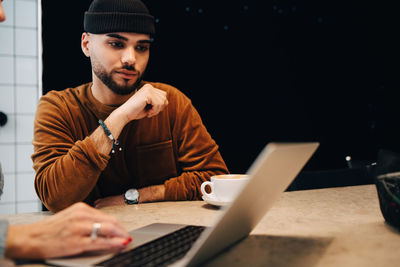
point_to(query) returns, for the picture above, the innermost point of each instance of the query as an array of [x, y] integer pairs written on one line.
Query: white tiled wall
[[19, 94]]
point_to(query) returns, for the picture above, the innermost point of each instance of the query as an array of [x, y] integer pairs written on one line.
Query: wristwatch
[[131, 196]]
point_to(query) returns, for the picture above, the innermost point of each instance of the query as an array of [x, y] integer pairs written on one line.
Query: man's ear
[[85, 44]]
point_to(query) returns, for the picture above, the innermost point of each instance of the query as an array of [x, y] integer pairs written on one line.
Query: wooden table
[[325, 227]]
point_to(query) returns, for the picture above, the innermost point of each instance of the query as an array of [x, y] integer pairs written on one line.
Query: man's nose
[[128, 57]]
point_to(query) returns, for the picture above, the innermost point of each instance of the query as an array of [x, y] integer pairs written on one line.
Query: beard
[[107, 79]]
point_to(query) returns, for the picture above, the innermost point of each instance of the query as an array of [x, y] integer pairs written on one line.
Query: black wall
[[261, 71]]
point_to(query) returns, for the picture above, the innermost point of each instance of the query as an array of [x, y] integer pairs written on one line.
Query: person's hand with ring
[[74, 230]]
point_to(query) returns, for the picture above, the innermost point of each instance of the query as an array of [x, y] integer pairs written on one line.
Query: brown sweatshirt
[[172, 148]]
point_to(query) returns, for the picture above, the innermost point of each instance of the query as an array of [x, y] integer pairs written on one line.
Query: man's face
[[119, 59]]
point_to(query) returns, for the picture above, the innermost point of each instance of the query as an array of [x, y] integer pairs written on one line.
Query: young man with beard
[[120, 140]]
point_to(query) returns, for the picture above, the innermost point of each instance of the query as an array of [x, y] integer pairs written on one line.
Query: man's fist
[[148, 101]]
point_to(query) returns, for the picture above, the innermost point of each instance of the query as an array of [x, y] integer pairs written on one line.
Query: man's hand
[[148, 101]]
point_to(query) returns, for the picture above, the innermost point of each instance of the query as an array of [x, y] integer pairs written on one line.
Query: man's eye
[[141, 48], [116, 44]]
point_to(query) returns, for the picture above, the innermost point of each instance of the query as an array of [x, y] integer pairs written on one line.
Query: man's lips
[[127, 74]]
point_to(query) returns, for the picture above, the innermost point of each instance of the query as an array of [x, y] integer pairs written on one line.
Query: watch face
[[132, 194]]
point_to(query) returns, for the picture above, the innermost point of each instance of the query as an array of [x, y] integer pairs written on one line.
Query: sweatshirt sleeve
[[198, 154], [66, 162]]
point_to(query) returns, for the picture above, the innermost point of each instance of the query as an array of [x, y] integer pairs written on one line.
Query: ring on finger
[[95, 230]]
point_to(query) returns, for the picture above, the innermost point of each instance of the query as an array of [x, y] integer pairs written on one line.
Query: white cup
[[224, 187]]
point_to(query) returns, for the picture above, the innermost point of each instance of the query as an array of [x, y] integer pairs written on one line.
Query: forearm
[[152, 193], [183, 187], [187, 185], [68, 176], [64, 177], [115, 122]]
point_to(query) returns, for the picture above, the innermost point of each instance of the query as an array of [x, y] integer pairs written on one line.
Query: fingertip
[[127, 241], [120, 242]]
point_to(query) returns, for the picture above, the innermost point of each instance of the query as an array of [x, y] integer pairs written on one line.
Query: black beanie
[[105, 16]]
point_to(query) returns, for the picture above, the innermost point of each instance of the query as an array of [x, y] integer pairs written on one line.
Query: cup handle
[[203, 189]]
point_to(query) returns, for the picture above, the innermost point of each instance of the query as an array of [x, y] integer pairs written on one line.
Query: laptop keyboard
[[159, 252]]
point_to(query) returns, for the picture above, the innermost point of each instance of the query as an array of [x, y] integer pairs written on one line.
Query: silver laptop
[[271, 173]]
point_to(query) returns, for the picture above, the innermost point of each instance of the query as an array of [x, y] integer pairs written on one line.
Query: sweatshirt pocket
[[156, 163]]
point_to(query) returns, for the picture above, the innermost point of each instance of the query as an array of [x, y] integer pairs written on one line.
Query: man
[[119, 140], [77, 229]]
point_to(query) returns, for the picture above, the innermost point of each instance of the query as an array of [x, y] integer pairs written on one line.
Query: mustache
[[129, 67]]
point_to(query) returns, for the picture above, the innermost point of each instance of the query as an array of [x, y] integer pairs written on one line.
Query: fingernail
[[127, 241]]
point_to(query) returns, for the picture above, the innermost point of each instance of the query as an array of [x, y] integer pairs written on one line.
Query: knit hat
[[105, 16]]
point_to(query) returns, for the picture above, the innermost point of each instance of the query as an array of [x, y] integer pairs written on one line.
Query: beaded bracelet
[[115, 142]]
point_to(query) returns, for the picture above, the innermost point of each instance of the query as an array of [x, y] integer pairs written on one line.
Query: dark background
[[261, 71]]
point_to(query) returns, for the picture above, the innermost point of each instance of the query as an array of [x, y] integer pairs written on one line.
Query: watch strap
[[131, 202]]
